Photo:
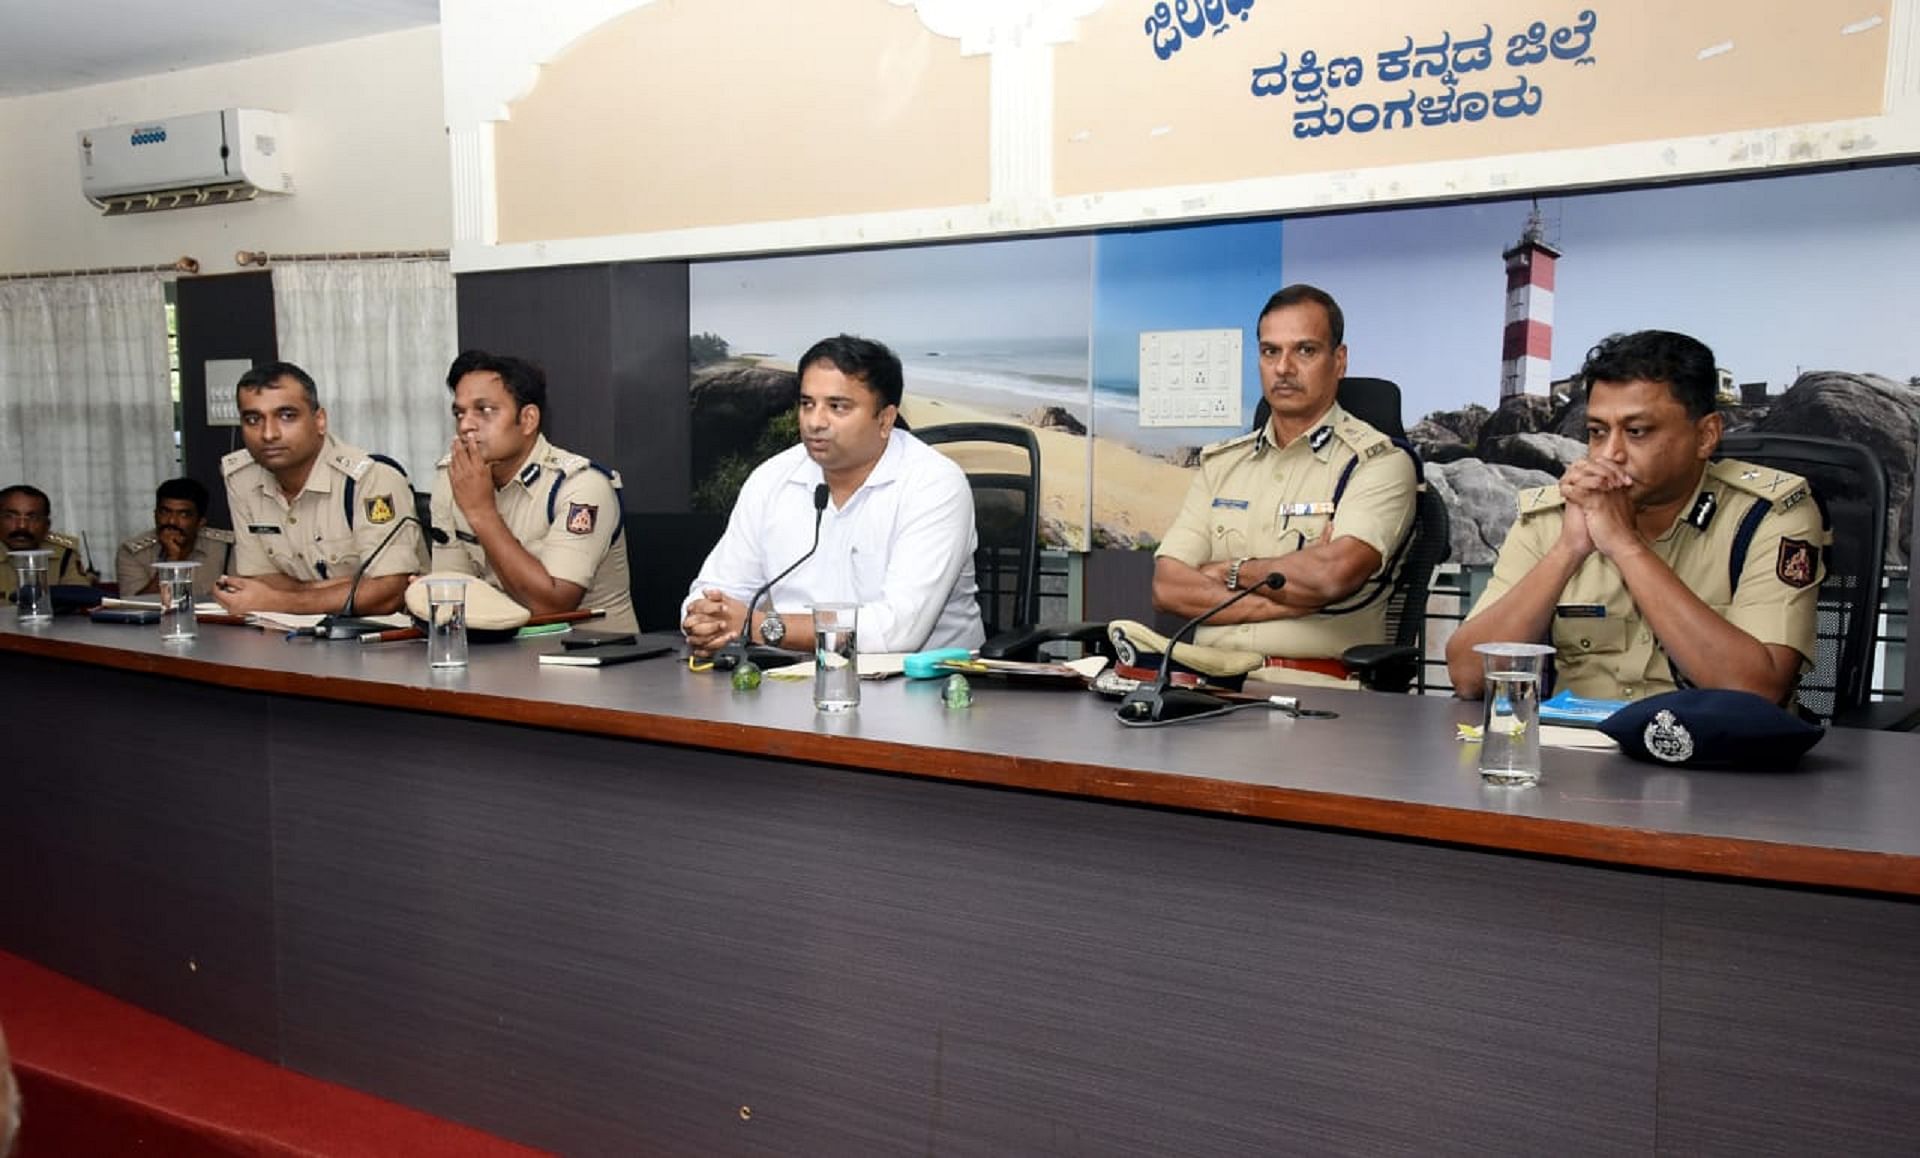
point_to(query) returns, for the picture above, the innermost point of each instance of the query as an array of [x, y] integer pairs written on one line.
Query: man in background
[[310, 513], [26, 518], [541, 524], [179, 535]]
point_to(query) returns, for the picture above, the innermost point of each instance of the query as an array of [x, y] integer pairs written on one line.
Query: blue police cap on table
[[1711, 728]]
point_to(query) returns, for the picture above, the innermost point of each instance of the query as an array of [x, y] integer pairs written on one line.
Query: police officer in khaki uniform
[[1627, 566], [310, 512], [179, 534], [540, 523], [1316, 495], [25, 515]]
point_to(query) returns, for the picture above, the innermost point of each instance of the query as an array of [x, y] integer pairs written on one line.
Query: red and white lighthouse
[[1526, 349]]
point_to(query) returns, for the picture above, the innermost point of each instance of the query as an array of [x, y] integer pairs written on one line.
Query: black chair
[[1006, 515], [1850, 484]]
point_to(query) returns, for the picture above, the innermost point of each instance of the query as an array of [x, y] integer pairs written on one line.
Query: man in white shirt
[[896, 535]]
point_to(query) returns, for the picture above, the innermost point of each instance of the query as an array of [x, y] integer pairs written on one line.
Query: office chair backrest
[[1374, 401], [1850, 484], [1003, 466]]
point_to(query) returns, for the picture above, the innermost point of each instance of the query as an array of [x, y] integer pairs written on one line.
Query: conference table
[[631, 910]]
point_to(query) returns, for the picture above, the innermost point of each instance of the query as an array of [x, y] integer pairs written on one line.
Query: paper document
[[200, 607], [289, 621]]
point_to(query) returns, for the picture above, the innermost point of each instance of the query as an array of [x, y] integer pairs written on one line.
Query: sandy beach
[[1135, 496]]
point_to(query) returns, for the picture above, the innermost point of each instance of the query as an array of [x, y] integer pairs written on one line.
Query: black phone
[[578, 640], [125, 615]]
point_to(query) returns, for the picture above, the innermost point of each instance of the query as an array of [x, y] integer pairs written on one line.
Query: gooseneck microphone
[[343, 625], [1161, 701], [735, 651]]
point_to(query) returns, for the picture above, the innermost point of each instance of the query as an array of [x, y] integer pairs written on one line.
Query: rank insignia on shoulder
[[1795, 499], [380, 509], [1317, 441], [1230, 504], [581, 518], [1795, 565]]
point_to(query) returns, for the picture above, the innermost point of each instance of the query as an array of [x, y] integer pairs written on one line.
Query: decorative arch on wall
[[1052, 115]]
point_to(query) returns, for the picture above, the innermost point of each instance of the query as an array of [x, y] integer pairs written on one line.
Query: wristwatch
[[1233, 574], [773, 629]]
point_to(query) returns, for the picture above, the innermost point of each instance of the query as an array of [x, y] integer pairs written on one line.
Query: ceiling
[[49, 45]]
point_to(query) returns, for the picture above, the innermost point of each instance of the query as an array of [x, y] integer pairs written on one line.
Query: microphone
[[735, 651], [1162, 702], [344, 625]]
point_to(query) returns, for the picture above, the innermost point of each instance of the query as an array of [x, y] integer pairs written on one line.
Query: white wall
[[365, 141]]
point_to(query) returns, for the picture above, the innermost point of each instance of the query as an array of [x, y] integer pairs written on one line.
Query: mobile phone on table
[[578, 640]]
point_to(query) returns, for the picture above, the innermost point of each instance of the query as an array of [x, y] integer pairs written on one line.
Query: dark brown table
[[632, 910]]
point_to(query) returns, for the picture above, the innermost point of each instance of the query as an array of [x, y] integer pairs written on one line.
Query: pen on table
[[393, 635], [533, 629]]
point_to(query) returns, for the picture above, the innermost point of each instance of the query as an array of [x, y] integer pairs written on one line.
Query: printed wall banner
[[1182, 92]]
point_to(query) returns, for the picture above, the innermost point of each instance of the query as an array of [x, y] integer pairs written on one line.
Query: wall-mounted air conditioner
[[208, 158]]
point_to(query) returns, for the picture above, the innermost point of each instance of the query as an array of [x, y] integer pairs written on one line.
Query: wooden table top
[[1847, 817]]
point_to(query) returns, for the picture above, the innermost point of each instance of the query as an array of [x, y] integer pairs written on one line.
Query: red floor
[[101, 1077]]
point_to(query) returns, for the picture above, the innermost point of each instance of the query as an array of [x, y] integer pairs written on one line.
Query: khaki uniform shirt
[[63, 565], [1602, 644], [313, 538], [1253, 499], [212, 549], [565, 511]]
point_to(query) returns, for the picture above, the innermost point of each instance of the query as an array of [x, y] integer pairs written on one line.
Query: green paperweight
[[746, 677], [958, 693]]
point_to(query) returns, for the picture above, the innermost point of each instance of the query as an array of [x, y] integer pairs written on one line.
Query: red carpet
[[102, 1077]]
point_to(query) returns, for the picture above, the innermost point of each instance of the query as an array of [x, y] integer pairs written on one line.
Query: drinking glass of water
[[836, 657], [1510, 722]]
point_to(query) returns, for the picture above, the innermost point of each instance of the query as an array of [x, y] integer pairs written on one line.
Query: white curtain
[[377, 336], [86, 405]]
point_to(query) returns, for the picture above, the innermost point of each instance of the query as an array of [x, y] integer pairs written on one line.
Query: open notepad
[[200, 607]]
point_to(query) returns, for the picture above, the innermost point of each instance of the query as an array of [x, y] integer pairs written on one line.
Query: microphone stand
[[735, 651], [344, 624], [1161, 702]]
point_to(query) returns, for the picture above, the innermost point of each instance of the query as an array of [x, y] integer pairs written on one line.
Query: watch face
[[773, 629]]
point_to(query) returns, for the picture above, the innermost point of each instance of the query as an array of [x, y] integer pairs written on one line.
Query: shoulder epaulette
[[1213, 448], [217, 534], [234, 461], [1784, 489], [1365, 441], [1536, 499], [140, 543], [62, 539], [567, 462], [352, 464]]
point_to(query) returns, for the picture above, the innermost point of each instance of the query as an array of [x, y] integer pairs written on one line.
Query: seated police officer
[[1651, 566], [539, 523], [179, 534], [1315, 495], [26, 518], [310, 512]]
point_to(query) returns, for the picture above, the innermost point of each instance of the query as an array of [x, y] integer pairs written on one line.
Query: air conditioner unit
[[208, 158]]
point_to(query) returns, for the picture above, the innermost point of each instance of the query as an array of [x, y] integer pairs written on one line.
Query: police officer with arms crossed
[[540, 523], [179, 534], [1316, 495], [1627, 566], [896, 537], [25, 516], [310, 511]]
